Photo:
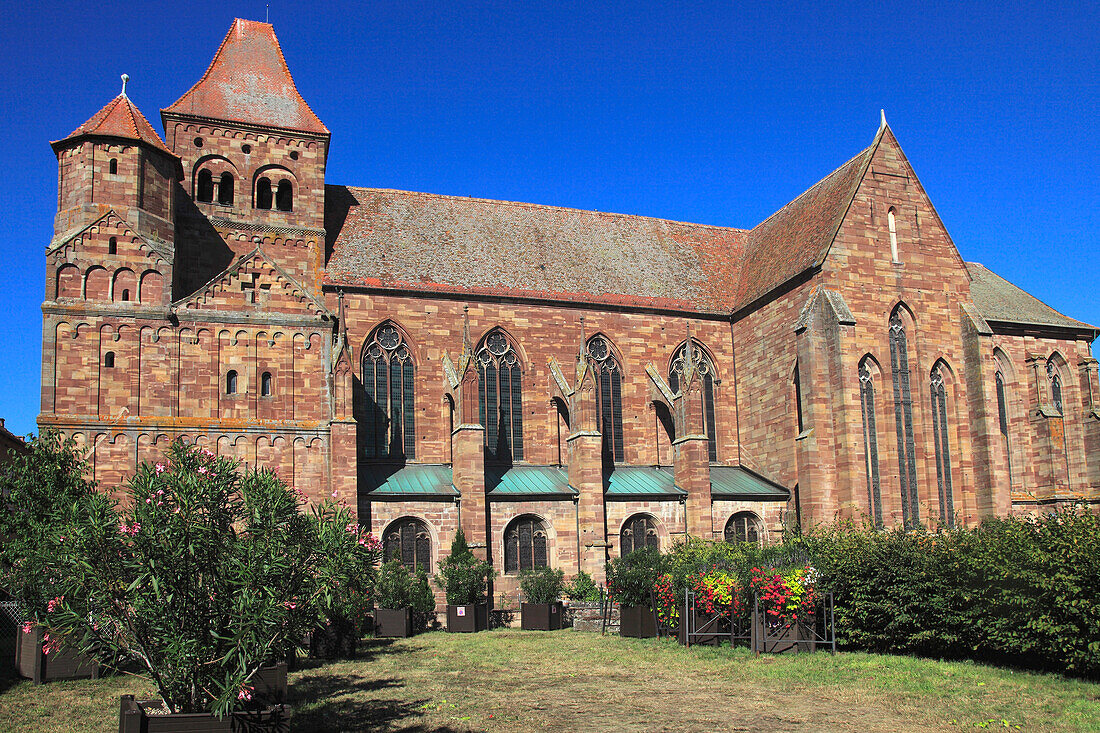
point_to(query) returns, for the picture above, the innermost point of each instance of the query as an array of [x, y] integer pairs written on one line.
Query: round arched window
[[638, 532], [744, 527]]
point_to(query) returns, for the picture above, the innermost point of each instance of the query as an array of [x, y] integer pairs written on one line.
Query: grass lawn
[[516, 681]]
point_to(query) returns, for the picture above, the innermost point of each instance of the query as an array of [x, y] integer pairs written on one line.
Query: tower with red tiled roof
[[253, 156]]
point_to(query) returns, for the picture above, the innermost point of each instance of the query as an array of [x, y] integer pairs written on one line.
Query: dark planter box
[[541, 616], [332, 642], [637, 622], [60, 664], [393, 622], [468, 619], [796, 637], [701, 619], [133, 718], [269, 684]]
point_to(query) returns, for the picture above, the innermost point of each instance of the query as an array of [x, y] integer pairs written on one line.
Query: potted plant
[[783, 616], [541, 609], [630, 581], [204, 576], [392, 604], [465, 581], [41, 489], [718, 605], [422, 600]]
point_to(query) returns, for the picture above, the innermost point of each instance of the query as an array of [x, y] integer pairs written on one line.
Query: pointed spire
[[125, 78], [882, 119], [584, 339], [467, 347]]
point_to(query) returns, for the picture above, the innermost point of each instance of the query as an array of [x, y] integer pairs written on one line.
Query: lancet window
[[390, 405], [609, 405], [705, 370], [500, 398]]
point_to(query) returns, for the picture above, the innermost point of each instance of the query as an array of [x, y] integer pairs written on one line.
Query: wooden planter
[[468, 619], [795, 637], [393, 622], [637, 622], [61, 664], [541, 616], [269, 684], [134, 717], [701, 619]]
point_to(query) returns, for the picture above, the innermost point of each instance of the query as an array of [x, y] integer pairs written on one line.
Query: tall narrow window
[[500, 399], [1055, 387], [903, 420], [1002, 417], [263, 193], [109, 360], [525, 545], [743, 527], [125, 295], [231, 382], [798, 401], [943, 446], [112, 246], [265, 384], [113, 166], [705, 370], [225, 189], [204, 190], [638, 532], [409, 541], [388, 381], [609, 400], [891, 222], [870, 442], [284, 196]]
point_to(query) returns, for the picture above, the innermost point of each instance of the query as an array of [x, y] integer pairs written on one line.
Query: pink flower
[[202, 470], [52, 605], [123, 529], [245, 693], [290, 605], [335, 494], [160, 492], [160, 468], [352, 527], [148, 501], [28, 627]]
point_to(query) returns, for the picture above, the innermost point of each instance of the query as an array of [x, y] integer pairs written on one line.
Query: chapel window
[[388, 382], [1055, 386], [525, 545], [204, 191], [1002, 418], [942, 444], [284, 196], [609, 401], [231, 382], [640, 531], [870, 441], [409, 541], [263, 193], [743, 527], [903, 420], [891, 222], [500, 398], [225, 189], [705, 371]]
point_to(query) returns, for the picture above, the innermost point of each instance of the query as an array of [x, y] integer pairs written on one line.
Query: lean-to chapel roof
[[999, 301], [248, 81], [121, 119]]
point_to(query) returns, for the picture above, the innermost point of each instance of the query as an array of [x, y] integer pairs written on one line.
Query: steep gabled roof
[[999, 301], [798, 236], [400, 239], [121, 119], [248, 81]]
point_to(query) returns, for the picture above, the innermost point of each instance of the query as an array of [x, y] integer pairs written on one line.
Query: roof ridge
[[528, 204], [136, 125]]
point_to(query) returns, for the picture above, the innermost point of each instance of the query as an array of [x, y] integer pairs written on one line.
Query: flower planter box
[[468, 619], [782, 638], [269, 684], [637, 622], [147, 716], [701, 621], [60, 664], [393, 622], [541, 616]]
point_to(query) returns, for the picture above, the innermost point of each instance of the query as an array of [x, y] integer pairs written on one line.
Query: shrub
[[582, 588], [463, 577], [421, 596], [543, 585], [630, 579], [393, 588]]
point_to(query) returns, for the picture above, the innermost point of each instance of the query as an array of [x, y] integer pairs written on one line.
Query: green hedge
[[1013, 590]]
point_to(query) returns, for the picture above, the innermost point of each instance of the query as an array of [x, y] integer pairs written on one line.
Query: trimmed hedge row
[[1022, 591]]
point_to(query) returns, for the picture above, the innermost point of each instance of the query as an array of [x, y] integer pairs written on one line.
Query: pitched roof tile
[[119, 118], [998, 300]]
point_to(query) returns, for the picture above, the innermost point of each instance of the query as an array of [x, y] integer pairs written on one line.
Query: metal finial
[[882, 119], [125, 78]]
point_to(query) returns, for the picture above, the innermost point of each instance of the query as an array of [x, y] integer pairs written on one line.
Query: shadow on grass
[[316, 707], [368, 650]]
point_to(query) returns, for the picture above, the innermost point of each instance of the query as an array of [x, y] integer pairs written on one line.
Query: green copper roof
[[642, 481], [411, 480], [520, 481], [738, 482]]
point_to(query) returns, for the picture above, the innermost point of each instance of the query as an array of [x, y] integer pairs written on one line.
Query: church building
[[564, 385]]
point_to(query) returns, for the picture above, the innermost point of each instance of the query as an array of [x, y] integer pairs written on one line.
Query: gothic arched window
[[609, 398], [204, 191], [388, 382], [501, 398], [743, 527], [1002, 419], [638, 532], [525, 545], [409, 541], [870, 441], [263, 193], [1055, 386], [705, 370], [903, 420], [225, 189], [943, 447]]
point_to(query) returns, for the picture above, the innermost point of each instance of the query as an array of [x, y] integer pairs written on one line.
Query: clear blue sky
[[715, 113]]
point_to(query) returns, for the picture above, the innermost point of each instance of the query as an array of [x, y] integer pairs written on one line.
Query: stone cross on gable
[[248, 287]]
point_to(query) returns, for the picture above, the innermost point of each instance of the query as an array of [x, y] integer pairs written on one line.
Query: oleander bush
[[542, 585], [631, 578], [582, 588]]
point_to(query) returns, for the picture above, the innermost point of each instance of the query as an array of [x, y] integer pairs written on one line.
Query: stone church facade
[[564, 385]]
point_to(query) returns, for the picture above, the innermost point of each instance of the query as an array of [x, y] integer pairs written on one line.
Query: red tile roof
[[248, 81], [120, 118]]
